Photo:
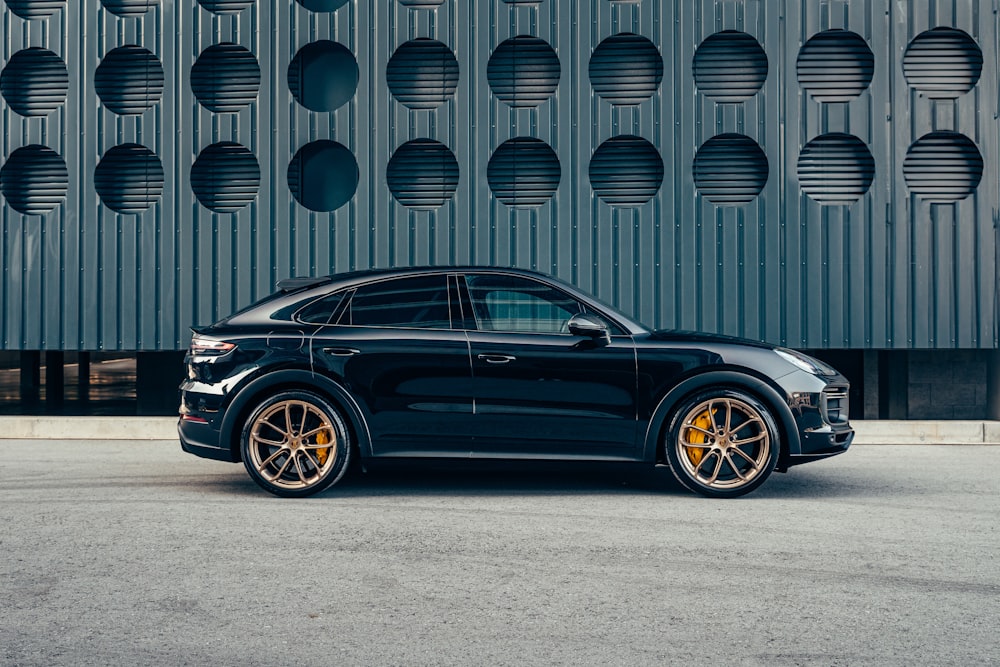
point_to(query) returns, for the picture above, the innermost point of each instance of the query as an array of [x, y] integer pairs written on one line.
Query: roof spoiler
[[302, 282]]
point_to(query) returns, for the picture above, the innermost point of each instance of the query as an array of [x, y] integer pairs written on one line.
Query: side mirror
[[589, 326]]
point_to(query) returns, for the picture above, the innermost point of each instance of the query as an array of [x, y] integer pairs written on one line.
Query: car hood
[[702, 337]]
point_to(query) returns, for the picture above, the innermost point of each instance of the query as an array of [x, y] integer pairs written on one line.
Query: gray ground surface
[[135, 553]]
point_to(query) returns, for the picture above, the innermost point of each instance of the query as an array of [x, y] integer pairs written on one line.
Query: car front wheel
[[295, 444], [722, 443]]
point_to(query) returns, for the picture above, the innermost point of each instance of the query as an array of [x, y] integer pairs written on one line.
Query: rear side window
[[418, 302], [320, 311]]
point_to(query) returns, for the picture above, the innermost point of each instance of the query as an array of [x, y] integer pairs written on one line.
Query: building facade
[[821, 174]]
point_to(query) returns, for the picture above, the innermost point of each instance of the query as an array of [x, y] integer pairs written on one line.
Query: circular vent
[[626, 171], [836, 168], [34, 180], [34, 82], [35, 9], [523, 71], [323, 175], [524, 172], [943, 63], [943, 167], [730, 66], [129, 178], [322, 5], [225, 78], [225, 177], [421, 4], [323, 76], [225, 6], [835, 66], [422, 174], [730, 170], [626, 69], [422, 73], [129, 80], [129, 8]]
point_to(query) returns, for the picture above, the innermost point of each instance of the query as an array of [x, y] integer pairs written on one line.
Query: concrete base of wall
[[165, 428]]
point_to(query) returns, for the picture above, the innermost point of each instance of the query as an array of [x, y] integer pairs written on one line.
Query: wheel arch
[[728, 378], [292, 379]]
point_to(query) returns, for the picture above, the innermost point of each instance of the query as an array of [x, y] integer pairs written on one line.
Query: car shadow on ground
[[477, 479]]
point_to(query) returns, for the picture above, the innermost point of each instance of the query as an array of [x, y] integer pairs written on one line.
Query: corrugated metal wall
[[817, 174]]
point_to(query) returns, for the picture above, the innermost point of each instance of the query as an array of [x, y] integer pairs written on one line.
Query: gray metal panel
[[885, 264]]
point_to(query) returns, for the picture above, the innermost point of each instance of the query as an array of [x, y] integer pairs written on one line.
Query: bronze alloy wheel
[[295, 444], [722, 443]]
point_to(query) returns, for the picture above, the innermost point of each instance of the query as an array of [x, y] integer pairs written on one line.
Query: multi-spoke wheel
[[295, 444], [722, 443]]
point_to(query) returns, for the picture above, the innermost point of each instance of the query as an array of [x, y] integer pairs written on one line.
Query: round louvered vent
[[34, 82], [323, 75], [943, 63], [35, 9], [626, 69], [422, 73], [34, 180], [323, 175], [322, 5], [226, 77], [129, 8], [730, 66], [835, 66], [836, 168], [225, 6], [129, 80], [422, 174], [730, 169], [943, 167], [626, 171], [524, 172], [225, 177], [129, 178], [523, 71]]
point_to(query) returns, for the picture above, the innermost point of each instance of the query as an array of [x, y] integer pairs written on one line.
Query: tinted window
[[420, 302], [320, 312], [511, 303]]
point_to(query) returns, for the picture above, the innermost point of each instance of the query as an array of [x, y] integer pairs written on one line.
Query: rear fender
[[257, 390]]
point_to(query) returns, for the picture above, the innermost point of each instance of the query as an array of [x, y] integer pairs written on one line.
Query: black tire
[[703, 443], [300, 458]]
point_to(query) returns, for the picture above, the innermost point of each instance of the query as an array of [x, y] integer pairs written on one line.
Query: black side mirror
[[589, 326]]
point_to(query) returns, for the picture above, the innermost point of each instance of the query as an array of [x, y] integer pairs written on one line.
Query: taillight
[[203, 346]]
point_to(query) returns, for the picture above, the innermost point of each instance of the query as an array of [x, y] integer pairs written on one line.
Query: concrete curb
[[165, 428]]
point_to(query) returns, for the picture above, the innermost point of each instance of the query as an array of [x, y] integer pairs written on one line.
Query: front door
[[538, 389]]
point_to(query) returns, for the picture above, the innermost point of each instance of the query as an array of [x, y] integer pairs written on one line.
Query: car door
[[396, 352], [540, 390]]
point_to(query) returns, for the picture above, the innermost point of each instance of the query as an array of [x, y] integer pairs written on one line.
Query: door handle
[[497, 358], [341, 351]]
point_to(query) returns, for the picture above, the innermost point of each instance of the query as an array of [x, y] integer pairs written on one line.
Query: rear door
[[396, 352], [540, 390]]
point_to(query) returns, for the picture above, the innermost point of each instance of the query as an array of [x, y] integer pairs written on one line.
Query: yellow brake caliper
[[322, 438], [696, 454]]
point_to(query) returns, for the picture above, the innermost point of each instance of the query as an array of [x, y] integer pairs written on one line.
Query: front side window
[[515, 304], [418, 302]]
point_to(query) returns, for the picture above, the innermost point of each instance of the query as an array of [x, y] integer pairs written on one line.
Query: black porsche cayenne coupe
[[493, 363]]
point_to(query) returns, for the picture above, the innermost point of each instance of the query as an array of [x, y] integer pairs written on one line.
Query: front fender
[[723, 378], [256, 390]]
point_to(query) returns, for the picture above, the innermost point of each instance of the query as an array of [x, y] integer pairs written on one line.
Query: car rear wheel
[[295, 444], [722, 443]]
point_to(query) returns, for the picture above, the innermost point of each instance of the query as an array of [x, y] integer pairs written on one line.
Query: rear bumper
[[203, 440]]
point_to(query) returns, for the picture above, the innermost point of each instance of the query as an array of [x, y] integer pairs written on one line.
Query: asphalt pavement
[[115, 553]]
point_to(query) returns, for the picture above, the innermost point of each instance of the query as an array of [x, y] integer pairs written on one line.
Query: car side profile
[[493, 363]]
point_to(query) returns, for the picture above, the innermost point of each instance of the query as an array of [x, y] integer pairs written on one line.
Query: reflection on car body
[[479, 362]]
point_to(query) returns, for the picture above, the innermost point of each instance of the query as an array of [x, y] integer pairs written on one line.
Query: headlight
[[805, 362]]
